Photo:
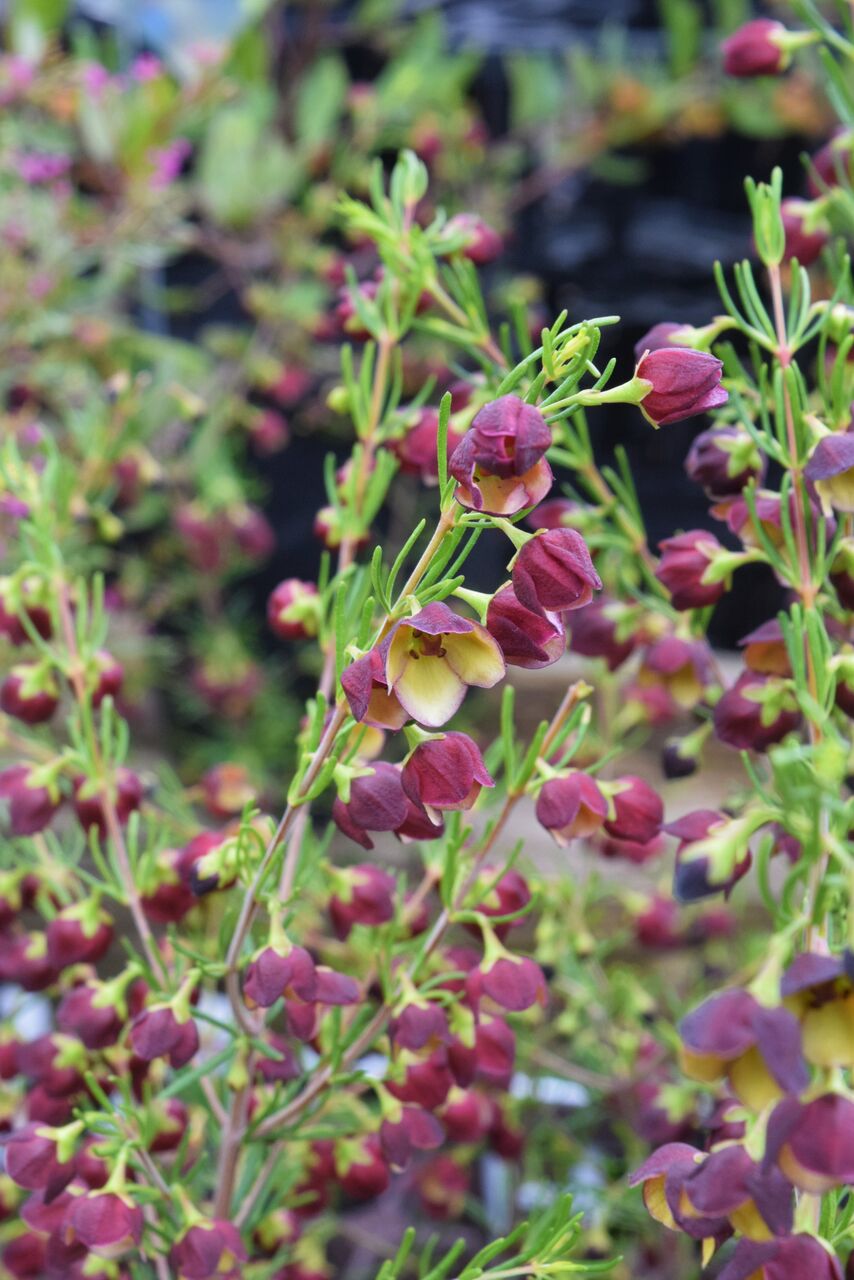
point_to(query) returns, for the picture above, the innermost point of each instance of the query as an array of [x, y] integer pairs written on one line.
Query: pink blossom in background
[[168, 161]]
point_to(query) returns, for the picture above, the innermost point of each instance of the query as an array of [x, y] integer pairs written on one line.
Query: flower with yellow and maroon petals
[[756, 712], [685, 563], [362, 895], [445, 773], [812, 1143], [724, 460], [527, 639], [683, 383], [553, 572], [595, 632], [507, 895], [208, 1249], [820, 992], [367, 690], [662, 1177], [227, 789], [757, 1049], [788, 1258], [712, 854], [571, 806], [108, 1224], [434, 657], [765, 650], [500, 465], [831, 470], [683, 668], [728, 1184], [638, 811]]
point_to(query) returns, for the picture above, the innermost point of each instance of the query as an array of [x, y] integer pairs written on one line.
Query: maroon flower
[[208, 1249], [638, 810], [79, 934], [595, 633], [682, 668], [657, 924], [16, 601], [33, 1163], [812, 1143], [514, 982], [755, 49], [758, 1049], [658, 336], [377, 803], [683, 384], [32, 804], [421, 1081], [571, 806], [29, 693], [91, 1013], [685, 561], [363, 895], [482, 243], [109, 1225], [724, 460], [361, 1167], [636, 851], [418, 449], [251, 531], [445, 773], [500, 464], [805, 246], [280, 970], [554, 572], [227, 790], [418, 1024], [108, 675], [663, 1178], [413, 1130], [466, 1115], [729, 1185], [443, 1185], [527, 639], [711, 857], [367, 691], [89, 799], [292, 610], [831, 470], [159, 1033], [507, 895], [783, 1259], [755, 713]]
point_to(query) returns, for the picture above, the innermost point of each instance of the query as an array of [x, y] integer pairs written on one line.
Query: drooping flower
[[638, 810], [684, 383], [812, 1143], [724, 460], [713, 854], [755, 49], [500, 465], [831, 470], [756, 712], [293, 610], [571, 806], [553, 572], [685, 562], [362, 895], [782, 1259], [757, 1049], [367, 691], [445, 773], [819, 990], [433, 657], [527, 639], [208, 1249]]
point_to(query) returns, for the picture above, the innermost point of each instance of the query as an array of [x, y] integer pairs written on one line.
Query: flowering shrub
[[258, 1010]]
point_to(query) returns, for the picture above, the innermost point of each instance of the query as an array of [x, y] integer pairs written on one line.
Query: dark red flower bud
[[755, 49], [467, 1115], [269, 432], [554, 572], [24, 961], [424, 1082], [335, 988], [366, 690], [109, 1225], [724, 460], [29, 693], [527, 639], [636, 851], [805, 246], [15, 602], [79, 934], [638, 810], [364, 894], [32, 804], [290, 385], [201, 537], [24, 1257], [208, 1249], [89, 1012], [678, 760], [418, 449], [252, 532], [445, 773], [159, 1033], [32, 1161], [506, 1137], [109, 675], [507, 895], [418, 1024], [495, 1052], [514, 982], [293, 610], [755, 713], [90, 1168], [377, 803], [684, 383], [414, 1130], [482, 244], [812, 1143], [443, 1186], [595, 633], [571, 806], [362, 1170], [685, 560], [89, 799], [698, 873], [199, 863], [277, 972], [282, 1065], [166, 898], [500, 464]]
